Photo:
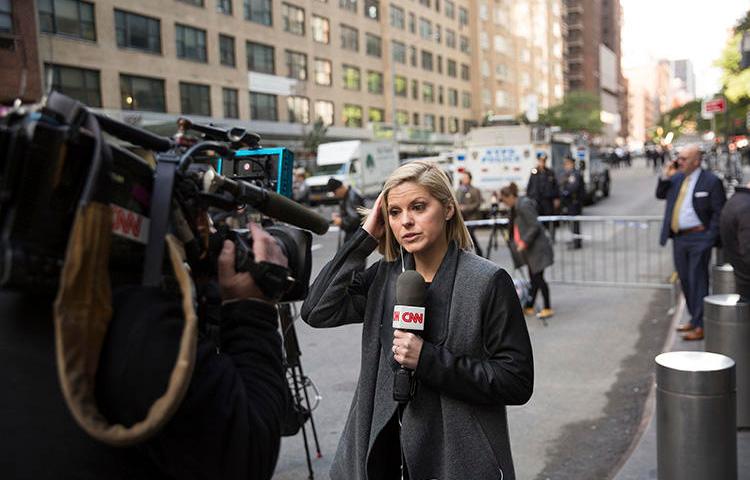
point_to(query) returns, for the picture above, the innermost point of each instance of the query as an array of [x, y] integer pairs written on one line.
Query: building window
[[191, 43], [426, 3], [437, 6], [400, 86], [413, 56], [451, 68], [258, 11], [375, 115], [352, 116], [439, 64], [195, 99], [374, 82], [397, 17], [415, 119], [224, 6], [452, 97], [372, 9], [226, 50], [426, 60], [298, 109], [142, 93], [296, 65], [79, 83], [351, 77], [466, 99], [349, 38], [463, 16], [453, 125], [373, 45], [6, 16], [229, 101], [428, 92], [398, 52], [415, 89], [260, 58], [425, 29], [324, 112], [350, 5], [197, 3], [429, 121], [402, 117], [323, 72], [438, 33], [464, 72], [441, 93], [263, 107], [293, 19], [321, 29], [412, 23], [450, 9], [137, 31], [67, 17], [450, 38], [464, 44]]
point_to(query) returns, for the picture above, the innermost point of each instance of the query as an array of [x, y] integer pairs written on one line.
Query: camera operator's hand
[[375, 224], [240, 286]]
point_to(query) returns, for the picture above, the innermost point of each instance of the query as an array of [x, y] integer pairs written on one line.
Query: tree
[[315, 136], [735, 82], [579, 111]]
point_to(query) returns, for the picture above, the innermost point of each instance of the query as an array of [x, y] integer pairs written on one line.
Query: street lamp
[[745, 49]]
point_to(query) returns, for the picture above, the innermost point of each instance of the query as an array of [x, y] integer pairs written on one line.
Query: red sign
[[715, 105]]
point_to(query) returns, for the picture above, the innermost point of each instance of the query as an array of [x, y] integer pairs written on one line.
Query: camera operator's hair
[[510, 190], [430, 176]]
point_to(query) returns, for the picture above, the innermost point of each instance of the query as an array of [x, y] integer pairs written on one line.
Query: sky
[[677, 29]]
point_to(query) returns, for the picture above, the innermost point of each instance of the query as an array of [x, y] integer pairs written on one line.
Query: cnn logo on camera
[[408, 318]]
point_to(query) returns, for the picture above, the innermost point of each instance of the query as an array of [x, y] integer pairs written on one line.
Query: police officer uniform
[[543, 189]]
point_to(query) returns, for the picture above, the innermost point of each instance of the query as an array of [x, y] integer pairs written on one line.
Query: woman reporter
[[473, 358], [529, 240]]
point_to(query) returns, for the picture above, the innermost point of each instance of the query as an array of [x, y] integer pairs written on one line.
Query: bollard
[[727, 322], [696, 411], [723, 279]]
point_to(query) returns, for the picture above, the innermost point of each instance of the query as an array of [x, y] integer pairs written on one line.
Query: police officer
[[543, 189], [572, 192]]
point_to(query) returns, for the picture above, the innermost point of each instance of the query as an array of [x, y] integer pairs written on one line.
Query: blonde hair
[[430, 176]]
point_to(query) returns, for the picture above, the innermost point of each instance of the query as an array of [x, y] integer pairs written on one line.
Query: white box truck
[[361, 164]]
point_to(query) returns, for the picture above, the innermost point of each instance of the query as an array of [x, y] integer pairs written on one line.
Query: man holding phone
[[695, 198]]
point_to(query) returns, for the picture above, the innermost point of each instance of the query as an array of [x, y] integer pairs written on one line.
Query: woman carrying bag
[[530, 243]]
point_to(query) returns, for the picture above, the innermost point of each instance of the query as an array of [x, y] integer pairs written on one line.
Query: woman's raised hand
[[375, 223]]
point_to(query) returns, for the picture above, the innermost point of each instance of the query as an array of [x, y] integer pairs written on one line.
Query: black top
[[735, 233], [543, 189]]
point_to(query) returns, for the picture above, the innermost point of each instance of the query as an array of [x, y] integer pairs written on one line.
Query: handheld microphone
[[408, 314]]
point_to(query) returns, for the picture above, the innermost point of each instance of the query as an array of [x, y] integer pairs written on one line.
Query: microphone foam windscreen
[[410, 289]]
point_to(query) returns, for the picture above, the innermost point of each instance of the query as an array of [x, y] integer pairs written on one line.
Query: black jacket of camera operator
[[228, 425]]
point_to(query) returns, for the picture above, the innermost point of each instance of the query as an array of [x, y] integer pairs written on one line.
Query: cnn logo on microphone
[[408, 318]]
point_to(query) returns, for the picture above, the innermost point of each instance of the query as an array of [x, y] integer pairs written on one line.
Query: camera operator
[[227, 426]]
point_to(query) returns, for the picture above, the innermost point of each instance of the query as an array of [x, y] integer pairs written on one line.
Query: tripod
[[298, 382], [493, 242]]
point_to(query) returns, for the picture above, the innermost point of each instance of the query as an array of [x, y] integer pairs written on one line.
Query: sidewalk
[[641, 464]]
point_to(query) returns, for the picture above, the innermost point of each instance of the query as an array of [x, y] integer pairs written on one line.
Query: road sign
[[715, 105]]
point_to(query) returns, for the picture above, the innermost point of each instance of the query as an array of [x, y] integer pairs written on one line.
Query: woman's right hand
[[375, 223]]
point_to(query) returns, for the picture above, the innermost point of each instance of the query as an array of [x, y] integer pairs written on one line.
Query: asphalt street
[[593, 365]]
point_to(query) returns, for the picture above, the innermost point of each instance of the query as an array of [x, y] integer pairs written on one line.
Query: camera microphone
[[408, 314], [267, 202]]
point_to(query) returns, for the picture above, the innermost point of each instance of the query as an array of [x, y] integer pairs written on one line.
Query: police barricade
[[621, 251]]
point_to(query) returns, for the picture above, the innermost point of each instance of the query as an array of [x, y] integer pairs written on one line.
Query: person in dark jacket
[[572, 193], [530, 245], [469, 201], [473, 358], [227, 426], [347, 218], [734, 226], [544, 190], [691, 219]]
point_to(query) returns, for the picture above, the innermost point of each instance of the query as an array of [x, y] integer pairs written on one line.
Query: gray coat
[[538, 254], [476, 359]]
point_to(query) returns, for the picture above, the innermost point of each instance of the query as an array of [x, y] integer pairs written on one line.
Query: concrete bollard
[[723, 279], [696, 424], [727, 323]]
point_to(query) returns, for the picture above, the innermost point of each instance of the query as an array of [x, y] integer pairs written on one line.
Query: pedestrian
[[572, 193], [531, 244], [350, 200], [734, 226], [691, 218], [469, 201], [473, 358], [300, 189], [543, 189]]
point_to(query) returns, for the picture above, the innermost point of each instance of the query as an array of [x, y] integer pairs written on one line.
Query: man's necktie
[[678, 205]]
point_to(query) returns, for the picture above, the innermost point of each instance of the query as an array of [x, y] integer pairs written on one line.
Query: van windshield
[[331, 169]]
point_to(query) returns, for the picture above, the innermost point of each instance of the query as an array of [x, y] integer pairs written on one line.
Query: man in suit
[[695, 198]]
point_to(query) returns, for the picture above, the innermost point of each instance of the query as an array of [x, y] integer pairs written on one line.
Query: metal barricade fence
[[621, 251]]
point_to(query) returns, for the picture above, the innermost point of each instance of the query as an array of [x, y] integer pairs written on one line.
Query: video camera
[[53, 157]]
